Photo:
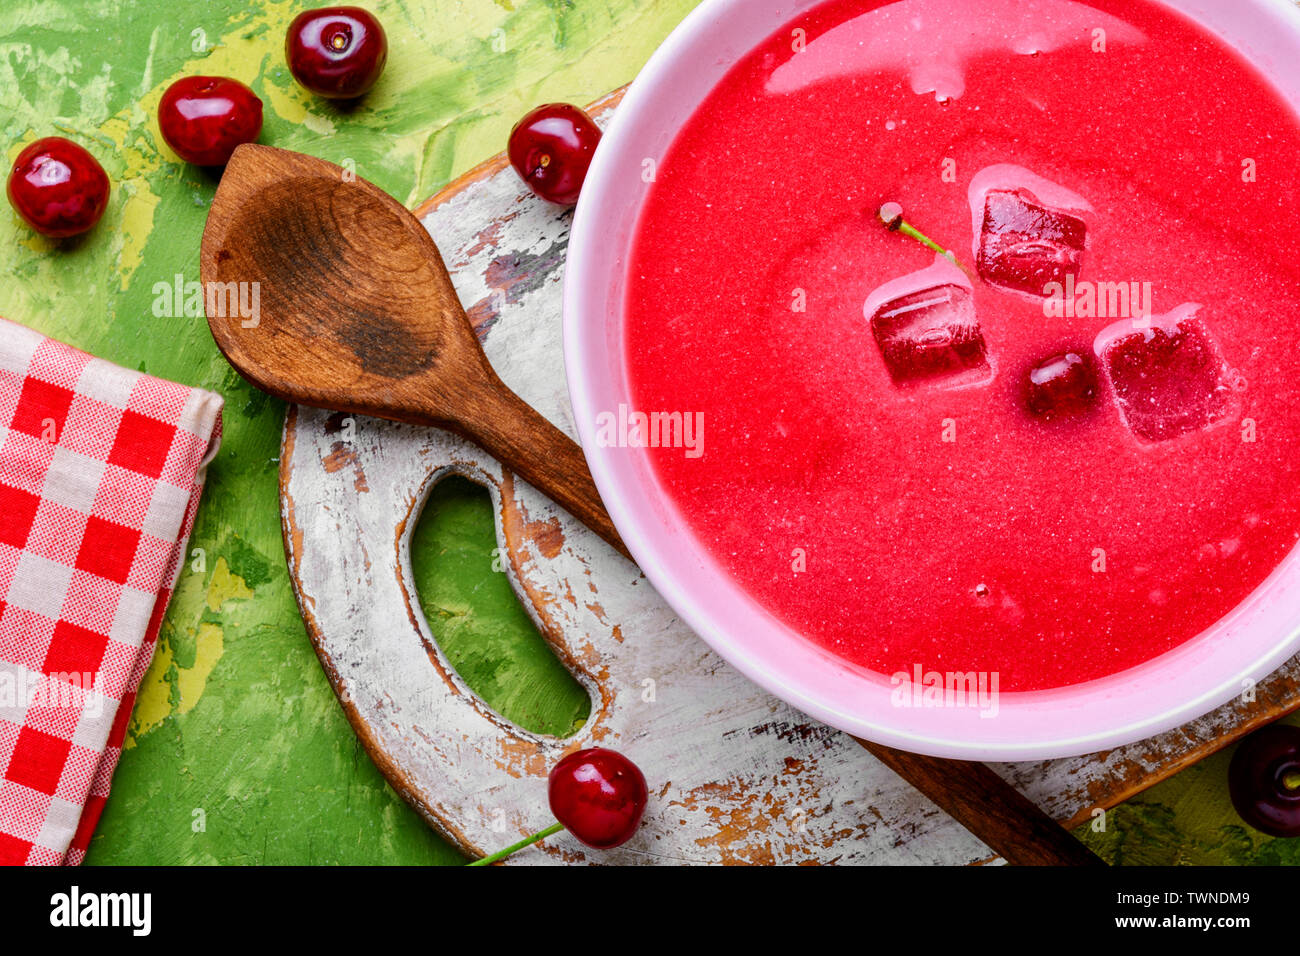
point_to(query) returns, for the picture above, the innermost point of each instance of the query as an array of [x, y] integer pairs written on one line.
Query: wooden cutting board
[[736, 775]]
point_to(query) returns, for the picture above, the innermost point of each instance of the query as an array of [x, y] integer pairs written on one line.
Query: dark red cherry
[[203, 118], [551, 150], [58, 188], [336, 52], [1061, 386], [599, 796], [1264, 780]]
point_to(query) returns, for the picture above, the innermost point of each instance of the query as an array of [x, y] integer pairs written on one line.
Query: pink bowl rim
[[1166, 692]]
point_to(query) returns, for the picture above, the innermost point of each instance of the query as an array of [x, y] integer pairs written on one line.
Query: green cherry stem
[[553, 829], [891, 214]]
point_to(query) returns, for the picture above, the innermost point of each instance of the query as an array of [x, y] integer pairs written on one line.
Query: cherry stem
[[1291, 780], [891, 214], [514, 847]]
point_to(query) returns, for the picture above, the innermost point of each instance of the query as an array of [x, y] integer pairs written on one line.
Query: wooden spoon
[[357, 313]]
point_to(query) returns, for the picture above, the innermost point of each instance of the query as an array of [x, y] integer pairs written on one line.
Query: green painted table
[[238, 751]]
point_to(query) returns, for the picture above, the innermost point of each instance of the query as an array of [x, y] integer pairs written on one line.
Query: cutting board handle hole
[[477, 619]]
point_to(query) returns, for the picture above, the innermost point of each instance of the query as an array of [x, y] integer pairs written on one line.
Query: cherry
[[596, 794], [599, 796], [58, 188], [1264, 780], [1062, 385], [203, 118], [336, 52], [551, 150]]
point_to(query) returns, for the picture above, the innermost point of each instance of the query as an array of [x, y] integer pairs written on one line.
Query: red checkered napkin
[[100, 474]]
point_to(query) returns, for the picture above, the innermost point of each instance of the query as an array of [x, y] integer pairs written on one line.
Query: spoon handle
[[517, 435]]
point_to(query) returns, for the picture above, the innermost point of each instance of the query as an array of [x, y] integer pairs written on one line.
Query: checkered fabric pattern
[[100, 474]]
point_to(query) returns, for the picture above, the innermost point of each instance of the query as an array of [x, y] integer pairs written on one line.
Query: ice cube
[[1024, 244], [1166, 373], [926, 329]]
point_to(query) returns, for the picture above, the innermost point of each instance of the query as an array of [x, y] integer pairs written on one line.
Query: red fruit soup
[[899, 459]]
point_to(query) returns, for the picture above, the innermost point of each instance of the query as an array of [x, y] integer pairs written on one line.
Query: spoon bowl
[[356, 312]]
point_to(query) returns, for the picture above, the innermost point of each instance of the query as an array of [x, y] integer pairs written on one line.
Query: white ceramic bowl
[[1167, 691]]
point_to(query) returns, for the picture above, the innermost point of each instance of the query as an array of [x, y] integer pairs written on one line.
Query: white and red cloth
[[101, 469]]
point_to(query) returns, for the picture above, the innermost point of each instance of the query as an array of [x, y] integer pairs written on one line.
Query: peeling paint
[[177, 678]]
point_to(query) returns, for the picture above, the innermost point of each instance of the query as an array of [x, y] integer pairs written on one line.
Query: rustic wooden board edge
[[293, 539], [1249, 721]]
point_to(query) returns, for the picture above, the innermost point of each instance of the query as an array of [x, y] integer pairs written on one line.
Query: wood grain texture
[[972, 794], [507, 271], [357, 313]]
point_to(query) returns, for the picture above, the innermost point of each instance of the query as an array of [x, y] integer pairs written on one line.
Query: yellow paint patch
[[169, 689], [294, 105], [226, 586], [191, 680], [137, 223]]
